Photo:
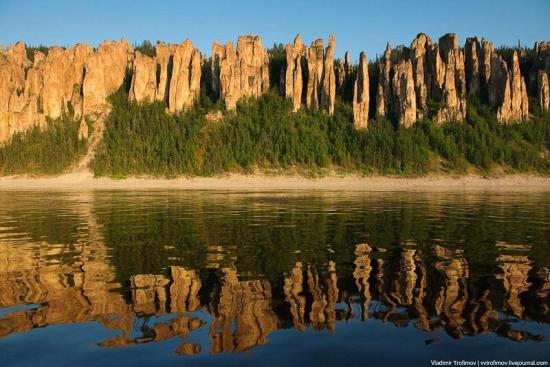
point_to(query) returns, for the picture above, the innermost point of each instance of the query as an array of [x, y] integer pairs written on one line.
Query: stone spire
[[361, 93], [293, 76]]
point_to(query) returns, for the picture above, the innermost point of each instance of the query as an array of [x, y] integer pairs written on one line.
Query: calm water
[[263, 279]]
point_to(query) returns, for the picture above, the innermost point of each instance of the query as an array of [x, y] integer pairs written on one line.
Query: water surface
[[250, 279]]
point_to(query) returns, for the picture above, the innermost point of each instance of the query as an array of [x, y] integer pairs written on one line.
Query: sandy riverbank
[[86, 181]]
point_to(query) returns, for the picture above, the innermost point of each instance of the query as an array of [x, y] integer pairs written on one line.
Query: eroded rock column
[[361, 93]]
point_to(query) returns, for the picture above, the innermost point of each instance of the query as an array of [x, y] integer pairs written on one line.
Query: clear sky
[[357, 25]]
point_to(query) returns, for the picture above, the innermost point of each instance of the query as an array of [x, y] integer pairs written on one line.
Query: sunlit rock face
[[105, 71], [419, 46], [448, 79], [507, 90], [403, 92], [144, 79], [315, 65], [310, 71], [185, 78], [361, 95], [75, 81], [328, 95], [426, 80], [295, 58], [173, 76], [240, 72], [383, 89], [425, 72], [504, 84], [48, 87]]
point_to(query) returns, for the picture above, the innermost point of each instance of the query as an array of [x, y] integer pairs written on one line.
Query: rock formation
[[315, 65], [164, 53], [437, 75], [144, 79], [243, 72], [178, 80], [448, 79], [185, 78], [75, 81], [321, 76], [105, 70], [293, 75], [361, 93], [506, 89], [426, 80], [383, 89], [515, 105], [348, 65], [340, 72], [543, 91], [403, 92], [472, 54], [329, 79], [503, 85], [419, 47], [541, 74]]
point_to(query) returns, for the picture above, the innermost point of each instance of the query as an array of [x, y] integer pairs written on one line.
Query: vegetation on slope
[[142, 139], [48, 151]]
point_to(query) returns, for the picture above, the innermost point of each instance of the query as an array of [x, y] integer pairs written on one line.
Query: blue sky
[[357, 25]]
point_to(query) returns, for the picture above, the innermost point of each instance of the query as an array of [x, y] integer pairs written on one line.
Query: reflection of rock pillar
[[361, 275], [423, 322], [243, 318], [323, 310], [316, 315], [293, 289], [402, 288], [148, 291], [332, 296], [543, 291], [184, 291], [453, 296], [407, 276], [515, 270]]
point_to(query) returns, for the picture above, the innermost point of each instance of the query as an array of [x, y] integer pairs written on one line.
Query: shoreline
[[261, 182]]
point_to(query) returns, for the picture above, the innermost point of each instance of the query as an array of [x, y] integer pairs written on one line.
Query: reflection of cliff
[[242, 317], [312, 295], [427, 289], [69, 291], [452, 295], [515, 269]]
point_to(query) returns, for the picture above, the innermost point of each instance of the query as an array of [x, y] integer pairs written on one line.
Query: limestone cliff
[[426, 80], [173, 76], [75, 81], [313, 66], [241, 72]]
